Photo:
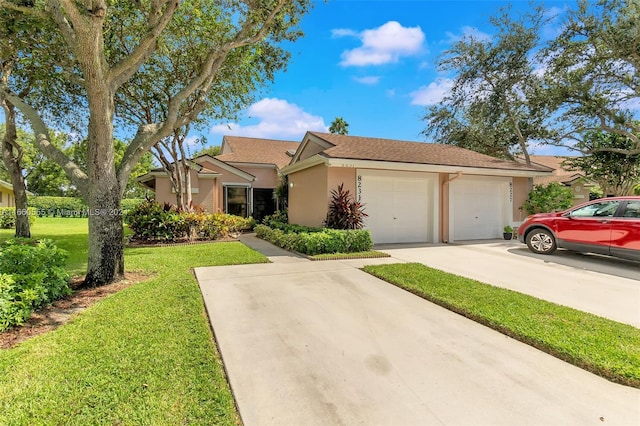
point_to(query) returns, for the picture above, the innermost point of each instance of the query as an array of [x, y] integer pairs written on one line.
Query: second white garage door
[[478, 208], [400, 206]]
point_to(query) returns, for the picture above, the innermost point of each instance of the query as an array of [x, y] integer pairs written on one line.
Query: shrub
[[344, 212], [8, 216], [33, 275], [280, 216], [130, 203], [547, 198], [150, 221], [59, 206], [323, 241]]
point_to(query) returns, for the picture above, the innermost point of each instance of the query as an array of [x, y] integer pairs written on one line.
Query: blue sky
[[374, 63]]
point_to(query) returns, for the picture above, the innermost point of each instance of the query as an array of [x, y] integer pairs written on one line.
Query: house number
[[511, 192], [359, 191]]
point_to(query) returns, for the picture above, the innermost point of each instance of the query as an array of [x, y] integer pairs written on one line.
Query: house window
[[236, 200]]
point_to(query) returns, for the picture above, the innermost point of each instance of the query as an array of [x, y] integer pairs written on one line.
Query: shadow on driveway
[[586, 261]]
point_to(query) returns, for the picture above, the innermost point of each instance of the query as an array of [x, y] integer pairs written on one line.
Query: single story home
[[575, 180], [7, 198], [411, 191], [241, 180]]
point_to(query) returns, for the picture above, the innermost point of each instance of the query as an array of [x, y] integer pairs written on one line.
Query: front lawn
[[604, 347], [67, 233], [145, 355]]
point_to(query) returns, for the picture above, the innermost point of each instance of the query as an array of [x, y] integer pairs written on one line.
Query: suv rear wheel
[[541, 241]]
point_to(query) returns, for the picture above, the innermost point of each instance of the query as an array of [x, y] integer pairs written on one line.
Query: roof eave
[[312, 161], [433, 168]]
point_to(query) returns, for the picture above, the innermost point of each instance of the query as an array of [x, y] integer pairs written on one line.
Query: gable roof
[[204, 170], [389, 150], [560, 174], [238, 149]]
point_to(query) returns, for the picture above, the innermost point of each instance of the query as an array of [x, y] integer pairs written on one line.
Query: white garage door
[[400, 207], [478, 208]]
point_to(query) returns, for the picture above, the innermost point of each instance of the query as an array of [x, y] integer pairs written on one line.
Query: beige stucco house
[[241, 180], [575, 180], [412, 192], [7, 198]]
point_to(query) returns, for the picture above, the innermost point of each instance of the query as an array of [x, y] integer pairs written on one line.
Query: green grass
[[356, 255], [67, 233], [604, 347], [145, 355]]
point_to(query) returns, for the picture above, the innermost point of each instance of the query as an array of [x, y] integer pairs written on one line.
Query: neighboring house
[[7, 198], [575, 180], [412, 192], [241, 180]]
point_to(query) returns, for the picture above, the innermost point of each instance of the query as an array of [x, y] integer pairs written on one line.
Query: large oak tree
[[101, 66], [497, 103], [594, 72]]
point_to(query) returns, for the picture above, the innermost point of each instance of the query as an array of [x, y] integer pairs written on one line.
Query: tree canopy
[[617, 173], [496, 105], [339, 126], [594, 71], [111, 55]]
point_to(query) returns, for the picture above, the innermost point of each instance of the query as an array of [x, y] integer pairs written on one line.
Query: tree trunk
[[11, 156], [106, 231]]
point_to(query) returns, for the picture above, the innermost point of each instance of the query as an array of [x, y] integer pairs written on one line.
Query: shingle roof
[[377, 149], [260, 151], [560, 174]]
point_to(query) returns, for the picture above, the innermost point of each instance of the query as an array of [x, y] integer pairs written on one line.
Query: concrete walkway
[[323, 343]]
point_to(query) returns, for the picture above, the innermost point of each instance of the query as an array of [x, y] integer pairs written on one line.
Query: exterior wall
[[307, 205], [203, 191], [443, 185], [266, 177], [6, 198], [338, 175], [164, 192], [521, 188]]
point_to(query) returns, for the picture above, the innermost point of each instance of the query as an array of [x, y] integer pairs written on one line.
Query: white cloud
[[278, 119], [431, 94], [370, 79], [343, 32], [382, 45], [468, 32]]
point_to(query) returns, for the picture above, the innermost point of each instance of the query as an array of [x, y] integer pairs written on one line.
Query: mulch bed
[[61, 311]]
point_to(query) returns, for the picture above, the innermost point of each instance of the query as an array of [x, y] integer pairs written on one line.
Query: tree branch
[[43, 142], [123, 70]]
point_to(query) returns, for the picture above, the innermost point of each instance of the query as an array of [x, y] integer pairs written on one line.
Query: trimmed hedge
[[33, 275], [8, 216], [71, 206], [323, 241]]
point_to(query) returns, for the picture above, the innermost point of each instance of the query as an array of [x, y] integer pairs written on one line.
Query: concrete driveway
[[604, 286], [323, 343]]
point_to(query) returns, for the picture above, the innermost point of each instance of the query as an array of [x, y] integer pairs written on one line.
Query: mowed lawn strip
[[145, 355], [602, 346]]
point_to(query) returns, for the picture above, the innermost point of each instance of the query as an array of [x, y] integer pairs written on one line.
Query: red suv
[[608, 226]]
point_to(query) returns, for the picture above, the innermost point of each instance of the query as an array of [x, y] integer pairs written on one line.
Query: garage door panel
[[399, 208], [477, 209]]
